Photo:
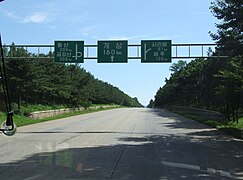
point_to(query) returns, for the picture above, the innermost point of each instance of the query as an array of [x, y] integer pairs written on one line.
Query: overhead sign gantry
[[152, 51], [149, 51]]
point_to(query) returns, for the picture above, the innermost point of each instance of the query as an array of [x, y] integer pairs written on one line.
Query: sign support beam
[[90, 48]]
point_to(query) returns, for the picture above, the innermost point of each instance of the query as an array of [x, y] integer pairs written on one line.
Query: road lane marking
[[198, 168]]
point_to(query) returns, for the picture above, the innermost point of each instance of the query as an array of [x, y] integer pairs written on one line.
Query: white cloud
[[36, 18], [9, 14]]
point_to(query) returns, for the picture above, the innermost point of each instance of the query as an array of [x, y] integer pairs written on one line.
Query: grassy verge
[[21, 120], [231, 128]]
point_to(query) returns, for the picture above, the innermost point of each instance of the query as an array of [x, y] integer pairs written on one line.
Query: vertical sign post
[[112, 51], [69, 51], [155, 51]]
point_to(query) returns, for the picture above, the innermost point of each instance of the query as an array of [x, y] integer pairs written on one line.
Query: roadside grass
[[22, 120], [231, 128]]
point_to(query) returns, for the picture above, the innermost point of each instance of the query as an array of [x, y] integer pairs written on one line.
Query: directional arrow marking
[[77, 54], [146, 51], [112, 58]]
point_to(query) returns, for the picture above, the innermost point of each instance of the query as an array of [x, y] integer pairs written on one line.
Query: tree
[[230, 30], [184, 86], [176, 67], [18, 74], [230, 43], [151, 104], [214, 83], [231, 88]]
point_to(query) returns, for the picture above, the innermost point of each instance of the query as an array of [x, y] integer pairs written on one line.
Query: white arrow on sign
[[112, 58], [77, 54], [146, 51]]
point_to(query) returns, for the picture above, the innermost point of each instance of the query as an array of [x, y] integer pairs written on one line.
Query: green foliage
[[230, 29], [177, 67], [184, 86], [212, 123], [213, 83], [232, 128], [151, 104], [240, 124]]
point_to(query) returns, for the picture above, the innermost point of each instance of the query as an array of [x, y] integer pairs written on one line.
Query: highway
[[126, 143]]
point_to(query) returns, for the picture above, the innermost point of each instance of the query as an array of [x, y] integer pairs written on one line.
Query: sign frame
[[156, 51], [112, 51], [69, 51]]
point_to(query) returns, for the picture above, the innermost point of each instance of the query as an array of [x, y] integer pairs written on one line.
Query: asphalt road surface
[[120, 144]]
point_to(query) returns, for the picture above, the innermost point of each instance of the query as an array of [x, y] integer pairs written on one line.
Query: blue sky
[[43, 22]]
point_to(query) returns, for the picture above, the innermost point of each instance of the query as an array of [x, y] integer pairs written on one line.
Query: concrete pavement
[[129, 143]]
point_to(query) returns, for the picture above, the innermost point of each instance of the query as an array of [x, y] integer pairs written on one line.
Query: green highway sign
[[112, 51], [69, 51], [155, 51]]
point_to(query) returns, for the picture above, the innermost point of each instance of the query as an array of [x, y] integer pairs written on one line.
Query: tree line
[[41, 81], [212, 83]]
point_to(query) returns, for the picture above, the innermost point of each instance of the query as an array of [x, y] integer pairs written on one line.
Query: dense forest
[[212, 83], [41, 81]]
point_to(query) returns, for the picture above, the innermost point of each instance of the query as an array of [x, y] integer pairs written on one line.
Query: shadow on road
[[137, 157], [192, 127], [178, 120], [200, 153]]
